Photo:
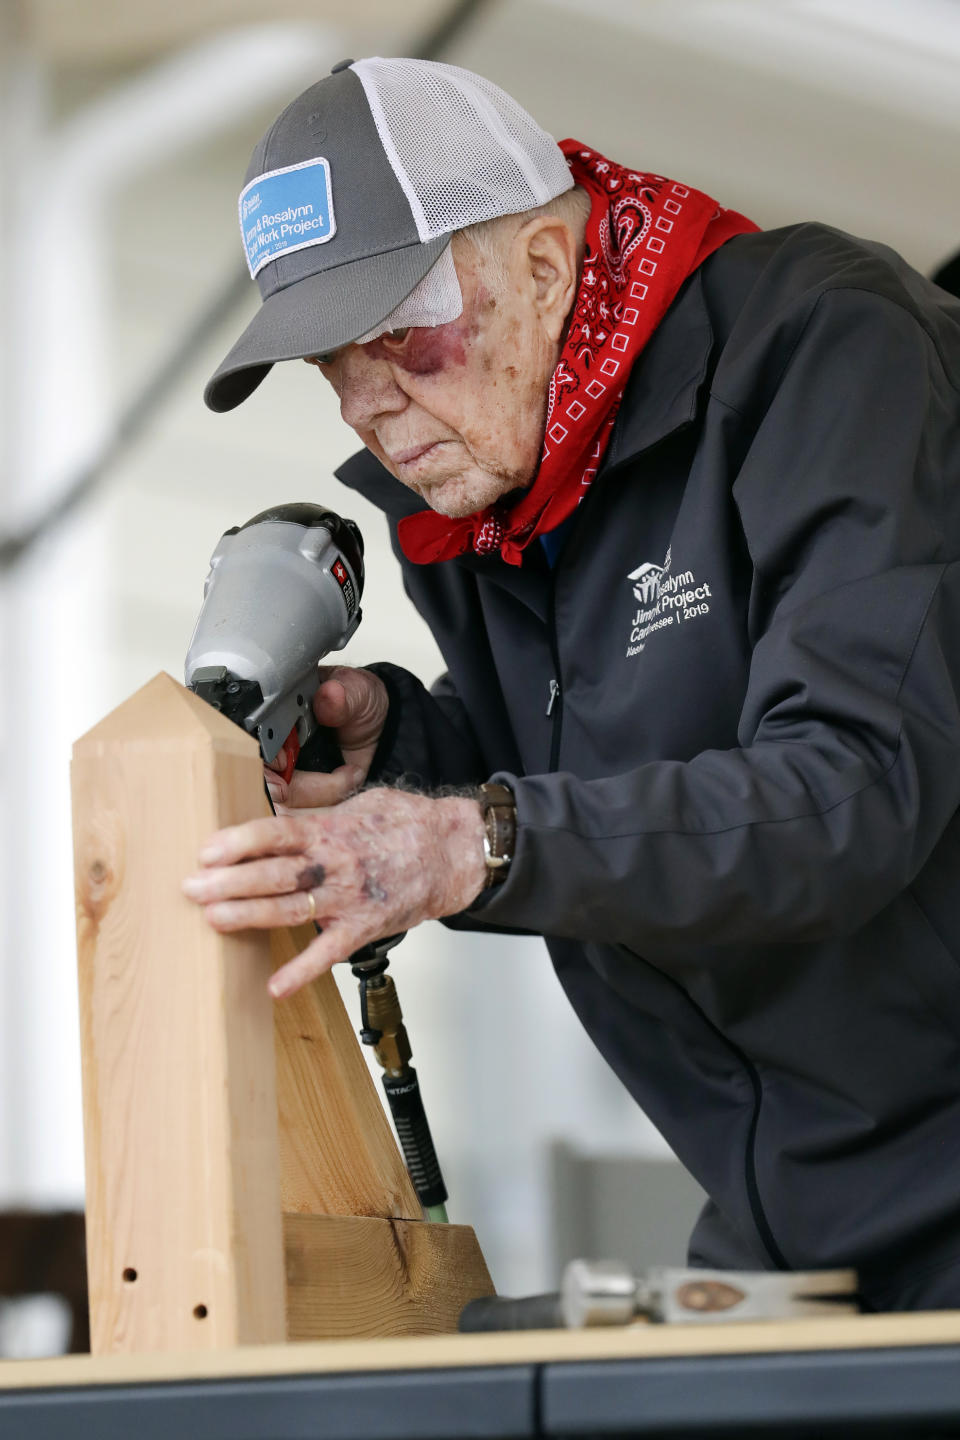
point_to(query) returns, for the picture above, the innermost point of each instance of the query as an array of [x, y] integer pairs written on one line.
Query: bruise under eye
[[425, 349]]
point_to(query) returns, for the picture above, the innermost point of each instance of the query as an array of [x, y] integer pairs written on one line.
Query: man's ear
[[546, 252]]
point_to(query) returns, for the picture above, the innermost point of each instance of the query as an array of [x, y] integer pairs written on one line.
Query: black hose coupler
[[413, 1132]]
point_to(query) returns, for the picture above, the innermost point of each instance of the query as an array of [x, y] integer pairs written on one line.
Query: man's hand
[[380, 862], [353, 703]]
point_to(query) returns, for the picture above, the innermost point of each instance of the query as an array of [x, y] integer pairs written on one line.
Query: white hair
[[490, 238]]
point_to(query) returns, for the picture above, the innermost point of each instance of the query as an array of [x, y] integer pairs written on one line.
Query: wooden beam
[[337, 1151], [511, 1347], [208, 1110], [349, 1277], [184, 1235]]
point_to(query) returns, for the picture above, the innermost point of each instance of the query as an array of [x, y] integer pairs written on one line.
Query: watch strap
[[500, 829]]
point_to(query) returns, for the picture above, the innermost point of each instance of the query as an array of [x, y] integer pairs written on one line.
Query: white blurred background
[[125, 130]]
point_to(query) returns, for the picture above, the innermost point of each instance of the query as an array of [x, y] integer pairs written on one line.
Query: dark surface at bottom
[[482, 1404], [908, 1391]]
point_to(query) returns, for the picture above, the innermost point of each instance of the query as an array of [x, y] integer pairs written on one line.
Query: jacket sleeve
[[847, 769], [428, 740]]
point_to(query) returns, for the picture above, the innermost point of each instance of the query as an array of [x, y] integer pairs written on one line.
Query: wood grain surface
[[208, 1109], [337, 1151], [184, 1232], [531, 1347], [367, 1277]]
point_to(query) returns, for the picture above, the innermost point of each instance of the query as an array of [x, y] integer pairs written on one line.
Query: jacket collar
[[664, 386]]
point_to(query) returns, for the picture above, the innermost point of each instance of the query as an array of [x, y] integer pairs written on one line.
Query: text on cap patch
[[286, 210]]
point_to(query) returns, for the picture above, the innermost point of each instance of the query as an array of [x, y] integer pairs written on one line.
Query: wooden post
[[184, 1235], [200, 1128]]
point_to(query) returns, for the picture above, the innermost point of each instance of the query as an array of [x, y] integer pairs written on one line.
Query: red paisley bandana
[[644, 236]]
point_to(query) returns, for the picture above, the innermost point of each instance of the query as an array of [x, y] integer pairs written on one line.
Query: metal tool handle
[[413, 1132], [605, 1292]]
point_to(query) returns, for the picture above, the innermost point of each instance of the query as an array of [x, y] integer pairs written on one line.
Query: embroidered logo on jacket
[[665, 601], [645, 579]]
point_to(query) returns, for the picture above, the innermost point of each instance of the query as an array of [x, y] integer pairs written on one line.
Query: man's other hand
[[353, 704], [378, 863]]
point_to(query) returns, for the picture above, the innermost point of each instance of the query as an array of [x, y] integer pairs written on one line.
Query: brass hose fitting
[[384, 1014]]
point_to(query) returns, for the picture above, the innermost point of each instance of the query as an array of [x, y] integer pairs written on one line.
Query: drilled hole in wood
[[200, 1312], [129, 1274]]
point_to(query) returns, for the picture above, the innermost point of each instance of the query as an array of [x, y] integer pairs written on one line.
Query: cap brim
[[320, 313]]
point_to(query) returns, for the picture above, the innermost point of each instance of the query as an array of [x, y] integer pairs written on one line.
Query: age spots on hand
[[311, 877], [372, 889]]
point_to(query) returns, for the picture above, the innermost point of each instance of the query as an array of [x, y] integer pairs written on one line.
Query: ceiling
[[123, 31]]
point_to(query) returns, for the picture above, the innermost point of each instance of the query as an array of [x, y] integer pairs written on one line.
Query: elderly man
[[679, 501]]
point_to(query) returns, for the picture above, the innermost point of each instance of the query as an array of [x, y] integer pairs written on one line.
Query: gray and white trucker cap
[[351, 199]]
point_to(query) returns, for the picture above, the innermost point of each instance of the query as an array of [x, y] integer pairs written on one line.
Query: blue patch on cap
[[286, 210]]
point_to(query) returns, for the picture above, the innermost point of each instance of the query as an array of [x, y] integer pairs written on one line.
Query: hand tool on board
[[605, 1292]]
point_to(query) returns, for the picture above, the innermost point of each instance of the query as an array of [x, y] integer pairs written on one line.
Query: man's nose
[[367, 388]]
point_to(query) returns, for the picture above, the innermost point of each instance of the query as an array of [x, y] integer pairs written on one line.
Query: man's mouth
[[412, 454], [407, 462]]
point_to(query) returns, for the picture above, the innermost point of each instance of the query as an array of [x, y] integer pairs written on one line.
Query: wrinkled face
[[456, 412]]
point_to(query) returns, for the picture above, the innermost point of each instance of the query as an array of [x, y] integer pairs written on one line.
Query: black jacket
[[738, 824]]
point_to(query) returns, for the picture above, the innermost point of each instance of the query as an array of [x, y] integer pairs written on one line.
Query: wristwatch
[[499, 830]]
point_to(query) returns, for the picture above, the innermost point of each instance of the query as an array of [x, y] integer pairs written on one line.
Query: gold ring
[[313, 905]]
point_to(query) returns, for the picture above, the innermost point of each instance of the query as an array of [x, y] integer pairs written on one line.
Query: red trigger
[[292, 746]]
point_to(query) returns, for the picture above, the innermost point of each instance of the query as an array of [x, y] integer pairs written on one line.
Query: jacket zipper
[[554, 709], [754, 1198], [554, 712], [555, 701], [753, 1188]]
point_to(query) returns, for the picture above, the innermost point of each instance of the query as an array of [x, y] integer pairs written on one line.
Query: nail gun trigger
[[291, 747]]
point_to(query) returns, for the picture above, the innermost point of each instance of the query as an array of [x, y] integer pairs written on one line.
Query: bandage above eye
[[436, 300]]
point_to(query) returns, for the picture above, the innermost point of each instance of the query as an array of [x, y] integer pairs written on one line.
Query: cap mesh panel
[[461, 148]]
